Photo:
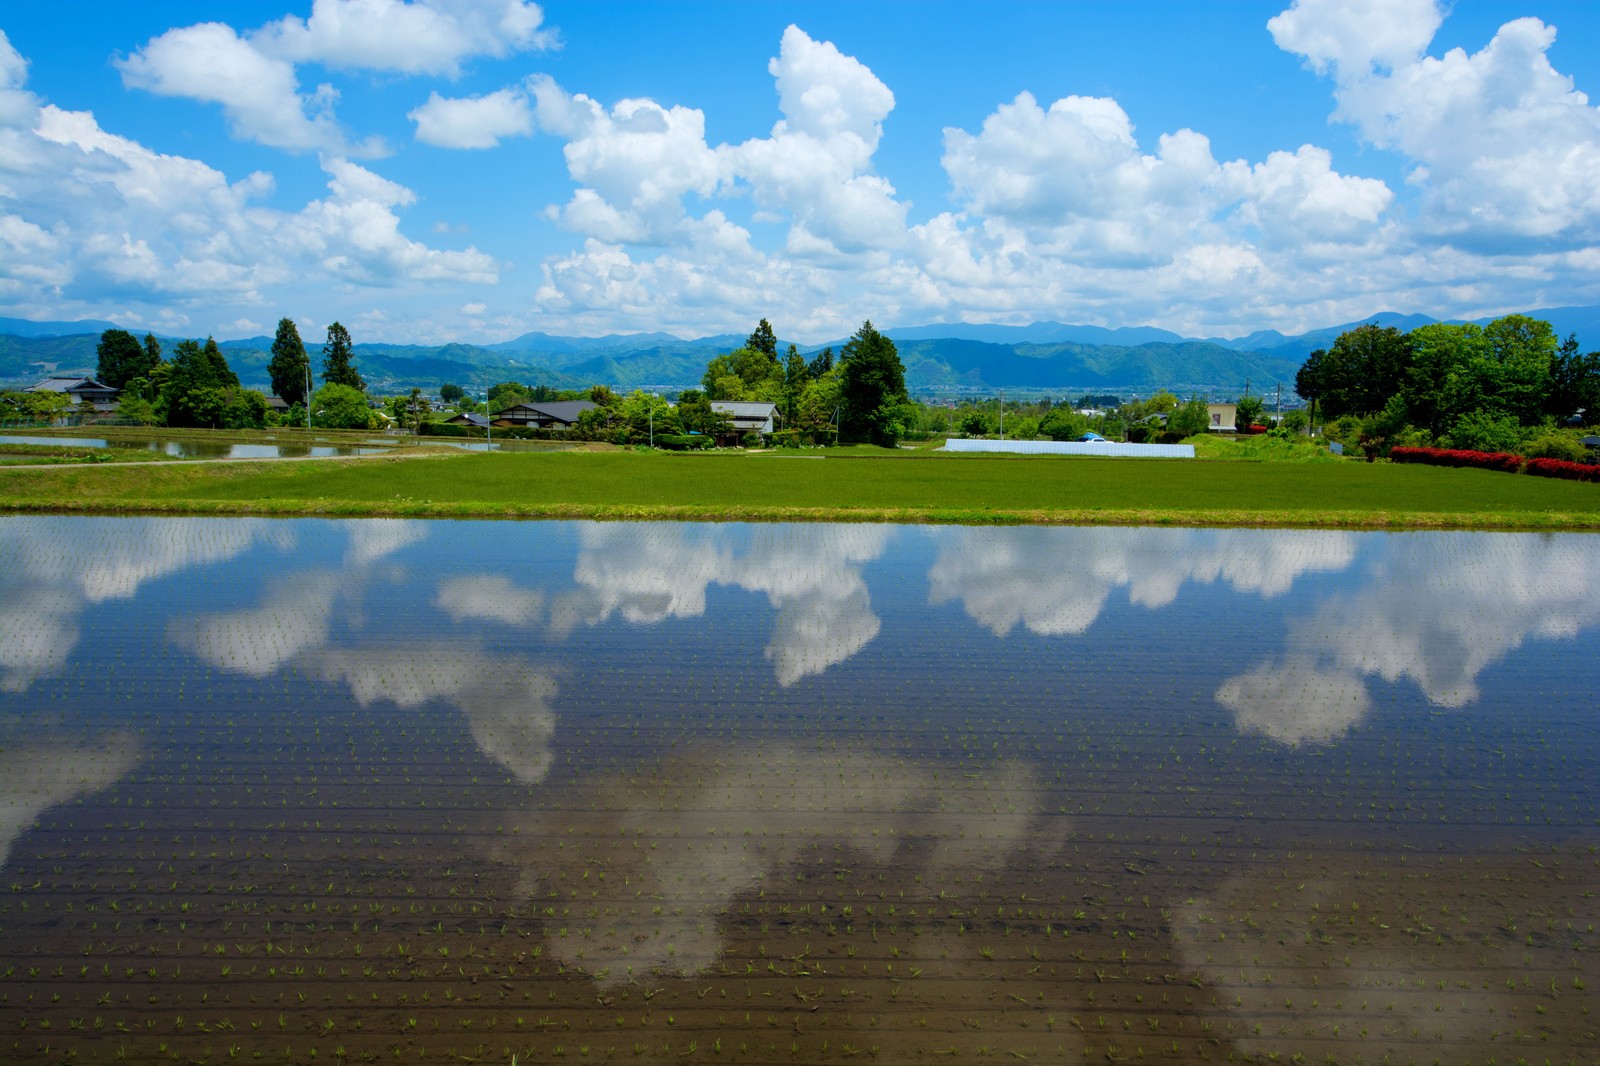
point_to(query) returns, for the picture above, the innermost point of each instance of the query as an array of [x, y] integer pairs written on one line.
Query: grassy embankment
[[849, 485]]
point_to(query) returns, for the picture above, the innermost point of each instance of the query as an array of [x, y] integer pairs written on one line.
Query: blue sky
[[469, 170]]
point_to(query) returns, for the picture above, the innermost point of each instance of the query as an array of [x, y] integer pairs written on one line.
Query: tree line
[[196, 387], [1506, 386]]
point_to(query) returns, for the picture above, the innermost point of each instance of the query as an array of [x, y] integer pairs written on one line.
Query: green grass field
[[857, 485]]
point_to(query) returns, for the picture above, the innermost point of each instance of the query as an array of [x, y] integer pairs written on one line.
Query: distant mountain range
[[939, 358]]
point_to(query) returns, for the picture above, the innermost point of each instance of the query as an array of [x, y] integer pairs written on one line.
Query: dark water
[[189, 449], [796, 793]]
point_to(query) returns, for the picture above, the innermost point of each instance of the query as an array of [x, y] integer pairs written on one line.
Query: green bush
[[1554, 444], [1480, 431], [684, 442]]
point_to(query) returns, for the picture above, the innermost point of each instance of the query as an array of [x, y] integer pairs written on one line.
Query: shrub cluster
[[1461, 457], [684, 442], [1562, 468], [1502, 461]]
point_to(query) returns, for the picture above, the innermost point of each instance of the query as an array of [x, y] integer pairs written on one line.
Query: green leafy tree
[[1439, 384], [1063, 423], [243, 409], [1309, 382], [138, 389], [795, 380], [290, 366], [644, 413], [975, 422], [820, 364], [336, 406], [745, 374], [507, 394], [43, 406], [152, 352], [1484, 431], [1574, 383], [198, 382], [1190, 419], [337, 369], [451, 393], [872, 389], [819, 402], [122, 358], [763, 340], [414, 410], [696, 414], [1362, 369], [1248, 412]]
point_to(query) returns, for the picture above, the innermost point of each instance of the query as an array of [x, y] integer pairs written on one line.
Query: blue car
[[1090, 438]]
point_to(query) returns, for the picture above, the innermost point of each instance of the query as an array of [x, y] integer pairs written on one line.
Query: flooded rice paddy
[[202, 449], [377, 791]]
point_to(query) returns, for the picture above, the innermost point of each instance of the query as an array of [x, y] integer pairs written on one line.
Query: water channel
[[381, 790]]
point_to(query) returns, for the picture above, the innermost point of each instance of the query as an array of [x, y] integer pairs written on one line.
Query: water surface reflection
[[800, 792]]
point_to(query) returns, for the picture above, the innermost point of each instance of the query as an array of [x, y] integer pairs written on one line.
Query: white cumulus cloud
[[1502, 146], [473, 122]]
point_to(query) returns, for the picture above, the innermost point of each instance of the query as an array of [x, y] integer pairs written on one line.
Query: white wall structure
[[1073, 447]]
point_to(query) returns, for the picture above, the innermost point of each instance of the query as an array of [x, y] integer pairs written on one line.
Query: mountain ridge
[[938, 356]]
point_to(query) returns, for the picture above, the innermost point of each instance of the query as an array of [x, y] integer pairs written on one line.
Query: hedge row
[[1561, 468], [1502, 461], [1505, 462]]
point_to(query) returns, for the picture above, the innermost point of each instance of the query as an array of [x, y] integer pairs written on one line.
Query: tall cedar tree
[[122, 359], [336, 366], [197, 385], [763, 339], [872, 379], [290, 365]]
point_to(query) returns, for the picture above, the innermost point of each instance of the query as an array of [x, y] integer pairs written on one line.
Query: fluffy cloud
[[259, 94], [815, 163], [94, 215], [474, 122], [636, 163], [1502, 146], [419, 37], [1355, 37], [253, 76]]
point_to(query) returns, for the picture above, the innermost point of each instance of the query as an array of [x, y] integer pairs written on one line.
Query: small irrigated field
[[812, 485]]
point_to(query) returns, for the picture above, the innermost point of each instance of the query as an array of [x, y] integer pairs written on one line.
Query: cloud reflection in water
[[1437, 610], [649, 572], [1055, 582]]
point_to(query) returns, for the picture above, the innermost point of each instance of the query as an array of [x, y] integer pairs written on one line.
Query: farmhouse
[[556, 414], [745, 417], [467, 418], [1219, 417], [80, 390]]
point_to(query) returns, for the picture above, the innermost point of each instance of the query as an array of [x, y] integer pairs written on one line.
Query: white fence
[[1073, 447]]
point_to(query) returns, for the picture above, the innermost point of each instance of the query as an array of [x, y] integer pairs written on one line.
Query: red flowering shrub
[[1561, 468], [1502, 461]]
